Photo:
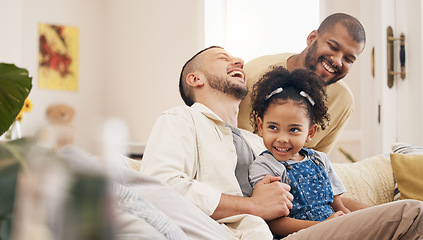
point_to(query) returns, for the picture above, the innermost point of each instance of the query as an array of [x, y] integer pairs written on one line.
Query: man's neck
[[228, 114], [296, 61], [226, 109]]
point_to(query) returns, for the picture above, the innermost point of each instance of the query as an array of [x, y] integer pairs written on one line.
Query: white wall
[[19, 20], [350, 138], [130, 55], [147, 44], [11, 25]]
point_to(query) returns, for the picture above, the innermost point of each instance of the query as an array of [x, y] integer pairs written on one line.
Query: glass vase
[[14, 131]]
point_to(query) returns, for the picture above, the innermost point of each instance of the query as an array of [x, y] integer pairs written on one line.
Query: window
[[252, 28]]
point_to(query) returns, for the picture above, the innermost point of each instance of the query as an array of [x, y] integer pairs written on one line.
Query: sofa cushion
[[408, 171], [369, 181], [407, 149]]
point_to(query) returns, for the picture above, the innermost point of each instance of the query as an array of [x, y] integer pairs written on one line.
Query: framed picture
[[58, 57]]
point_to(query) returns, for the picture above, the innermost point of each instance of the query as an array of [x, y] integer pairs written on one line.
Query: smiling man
[[331, 51], [199, 151]]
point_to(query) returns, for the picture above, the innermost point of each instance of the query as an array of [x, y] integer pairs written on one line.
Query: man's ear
[[194, 80], [311, 132], [260, 126], [311, 37]]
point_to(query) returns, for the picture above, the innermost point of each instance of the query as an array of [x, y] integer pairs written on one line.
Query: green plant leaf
[[15, 85]]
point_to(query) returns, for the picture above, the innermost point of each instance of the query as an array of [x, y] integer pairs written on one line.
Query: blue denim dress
[[311, 188]]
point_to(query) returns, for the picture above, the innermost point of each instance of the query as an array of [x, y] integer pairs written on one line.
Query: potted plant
[[15, 85]]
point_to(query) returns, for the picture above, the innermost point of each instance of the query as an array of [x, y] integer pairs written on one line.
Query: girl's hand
[[336, 214]]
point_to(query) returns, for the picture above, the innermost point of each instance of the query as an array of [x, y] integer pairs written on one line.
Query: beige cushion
[[369, 181], [407, 149], [408, 171]]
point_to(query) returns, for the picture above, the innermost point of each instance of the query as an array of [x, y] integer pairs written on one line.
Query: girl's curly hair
[[292, 84]]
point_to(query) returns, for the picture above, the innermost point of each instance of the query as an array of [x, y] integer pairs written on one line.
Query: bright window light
[[252, 28]]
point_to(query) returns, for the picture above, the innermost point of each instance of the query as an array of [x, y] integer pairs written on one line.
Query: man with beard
[[198, 151], [331, 51]]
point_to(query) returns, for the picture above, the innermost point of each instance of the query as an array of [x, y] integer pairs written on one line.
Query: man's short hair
[[193, 64], [353, 26]]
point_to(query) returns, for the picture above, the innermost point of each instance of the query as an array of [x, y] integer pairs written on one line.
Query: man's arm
[[270, 200]]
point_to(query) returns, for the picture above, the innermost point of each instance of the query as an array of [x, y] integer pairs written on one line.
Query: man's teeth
[[327, 67], [236, 74]]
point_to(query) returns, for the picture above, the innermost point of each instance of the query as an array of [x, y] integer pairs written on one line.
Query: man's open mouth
[[236, 73]]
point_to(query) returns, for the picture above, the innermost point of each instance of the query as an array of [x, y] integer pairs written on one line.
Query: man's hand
[[271, 198]]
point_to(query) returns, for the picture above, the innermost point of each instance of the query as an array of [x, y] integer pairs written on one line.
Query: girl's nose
[[282, 138]]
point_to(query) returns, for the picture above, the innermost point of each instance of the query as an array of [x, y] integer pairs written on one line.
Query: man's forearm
[[233, 205], [271, 199]]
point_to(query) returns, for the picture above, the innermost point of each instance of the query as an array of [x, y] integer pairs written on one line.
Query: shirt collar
[[207, 112]]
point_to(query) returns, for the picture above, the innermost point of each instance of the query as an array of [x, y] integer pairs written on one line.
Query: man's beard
[[225, 86], [311, 63]]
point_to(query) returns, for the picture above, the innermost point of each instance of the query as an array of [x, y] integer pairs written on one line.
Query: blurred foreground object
[[46, 196], [60, 130]]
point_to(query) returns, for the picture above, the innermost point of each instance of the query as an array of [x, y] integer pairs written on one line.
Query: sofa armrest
[[369, 181]]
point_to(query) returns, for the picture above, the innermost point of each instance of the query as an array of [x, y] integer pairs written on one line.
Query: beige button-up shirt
[[191, 150]]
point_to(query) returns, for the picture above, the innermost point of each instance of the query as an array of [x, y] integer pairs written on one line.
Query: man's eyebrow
[[334, 42], [223, 53]]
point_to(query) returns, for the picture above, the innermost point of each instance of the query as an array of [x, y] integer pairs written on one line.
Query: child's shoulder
[[319, 156]]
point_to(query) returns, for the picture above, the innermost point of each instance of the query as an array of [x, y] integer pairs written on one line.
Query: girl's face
[[285, 129]]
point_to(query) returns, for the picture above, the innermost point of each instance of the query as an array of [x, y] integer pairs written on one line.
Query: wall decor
[[58, 57]]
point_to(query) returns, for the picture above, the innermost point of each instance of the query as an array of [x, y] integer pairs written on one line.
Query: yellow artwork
[[58, 57]]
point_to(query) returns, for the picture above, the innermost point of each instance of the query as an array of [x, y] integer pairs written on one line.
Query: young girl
[[287, 110]]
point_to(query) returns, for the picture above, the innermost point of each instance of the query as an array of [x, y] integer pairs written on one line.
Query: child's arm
[[284, 226], [337, 205]]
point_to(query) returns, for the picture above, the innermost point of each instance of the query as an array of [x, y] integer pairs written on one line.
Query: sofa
[[369, 181], [143, 212], [372, 181], [385, 178]]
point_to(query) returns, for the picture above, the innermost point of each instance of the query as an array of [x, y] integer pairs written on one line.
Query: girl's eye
[[272, 127], [295, 130]]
